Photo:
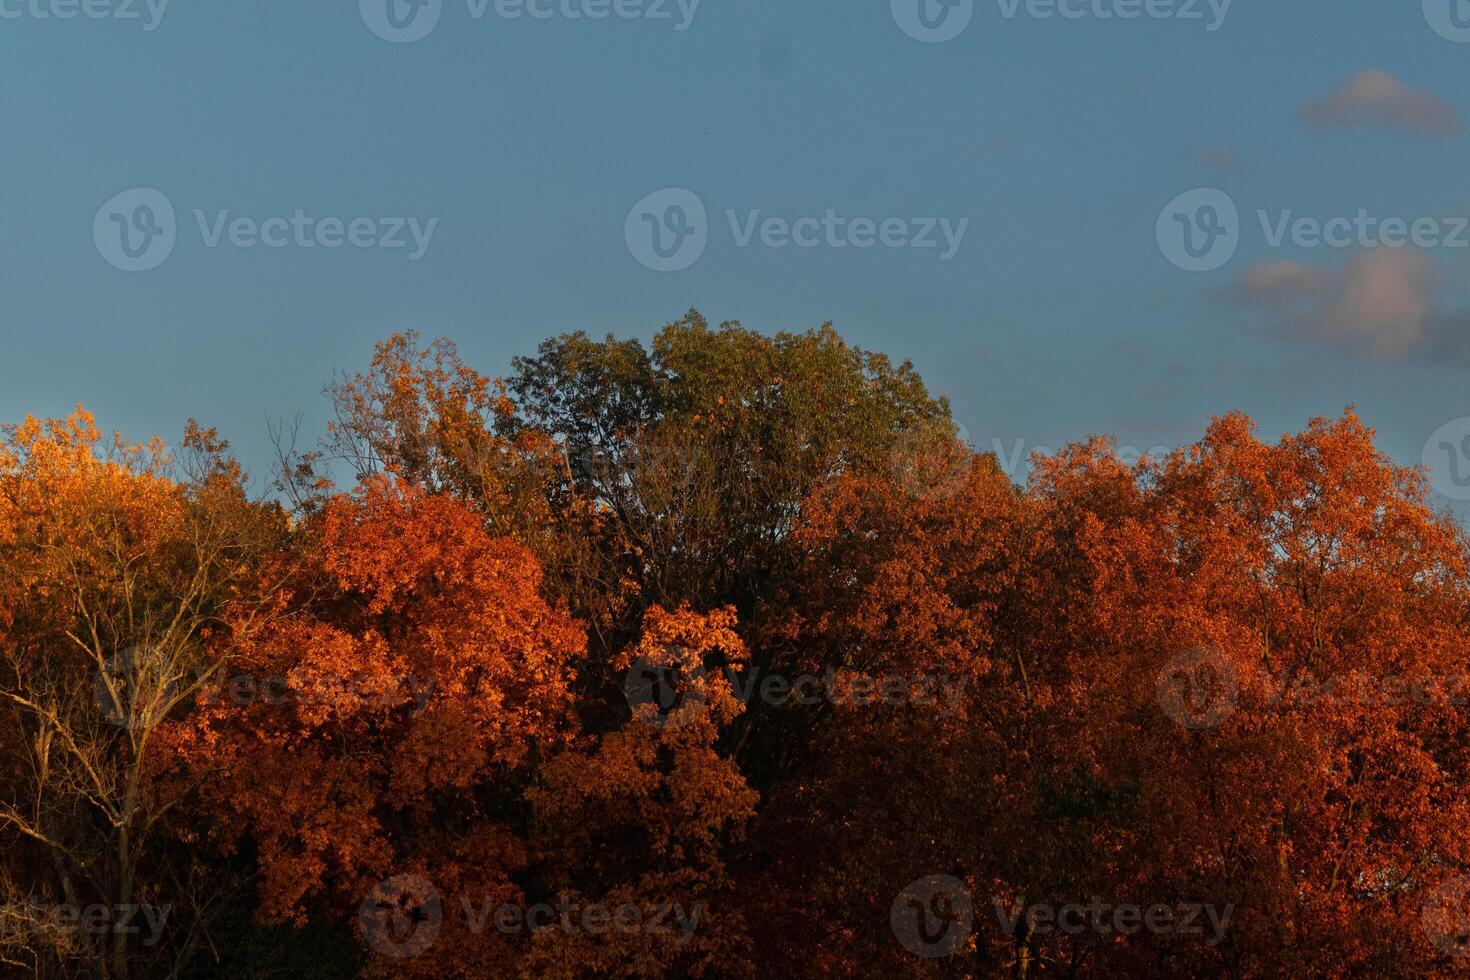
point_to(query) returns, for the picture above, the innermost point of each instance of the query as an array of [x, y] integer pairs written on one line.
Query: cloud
[[1376, 98], [1448, 339], [1279, 284], [1379, 305]]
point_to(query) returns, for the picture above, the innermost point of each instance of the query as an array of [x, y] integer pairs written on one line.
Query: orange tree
[[125, 574]]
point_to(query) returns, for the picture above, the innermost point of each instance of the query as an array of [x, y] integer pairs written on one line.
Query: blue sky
[[527, 141]]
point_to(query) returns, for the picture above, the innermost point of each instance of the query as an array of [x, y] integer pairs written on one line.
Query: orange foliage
[[417, 673], [1234, 677]]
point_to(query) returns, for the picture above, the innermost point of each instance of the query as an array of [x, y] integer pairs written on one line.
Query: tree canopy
[[724, 656]]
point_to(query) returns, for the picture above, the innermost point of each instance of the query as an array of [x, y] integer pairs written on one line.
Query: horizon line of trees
[[733, 632]]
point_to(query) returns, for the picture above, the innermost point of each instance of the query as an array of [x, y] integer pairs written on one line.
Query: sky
[[1073, 216]]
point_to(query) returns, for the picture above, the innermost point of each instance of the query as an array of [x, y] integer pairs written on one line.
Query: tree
[[644, 815], [698, 452], [119, 585], [725, 656], [1308, 587], [388, 721]]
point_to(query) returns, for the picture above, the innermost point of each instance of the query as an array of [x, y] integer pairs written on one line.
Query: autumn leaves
[[730, 632]]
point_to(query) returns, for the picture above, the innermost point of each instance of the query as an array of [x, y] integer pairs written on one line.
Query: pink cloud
[[1279, 284], [1376, 98], [1379, 305]]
